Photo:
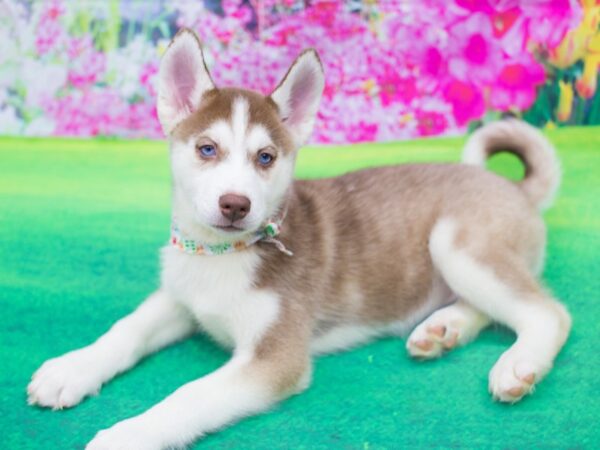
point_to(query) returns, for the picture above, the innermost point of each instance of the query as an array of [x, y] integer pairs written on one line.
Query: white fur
[[193, 410], [219, 293], [198, 186], [222, 298], [541, 323], [462, 323]]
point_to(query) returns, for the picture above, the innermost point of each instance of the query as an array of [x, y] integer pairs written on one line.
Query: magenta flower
[[395, 88], [394, 69], [87, 68], [475, 54], [430, 123], [148, 77], [97, 111], [433, 62], [142, 121], [466, 100], [235, 9], [516, 86], [362, 131], [49, 31], [547, 21], [482, 6]]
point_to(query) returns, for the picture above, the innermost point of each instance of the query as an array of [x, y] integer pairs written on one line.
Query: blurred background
[[396, 69]]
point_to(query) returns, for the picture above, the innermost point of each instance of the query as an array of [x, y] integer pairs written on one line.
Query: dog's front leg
[[248, 384], [64, 381]]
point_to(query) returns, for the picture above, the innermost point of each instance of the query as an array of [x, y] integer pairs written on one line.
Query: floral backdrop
[[395, 68]]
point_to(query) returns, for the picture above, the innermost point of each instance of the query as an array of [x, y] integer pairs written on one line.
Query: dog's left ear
[[299, 93], [182, 80]]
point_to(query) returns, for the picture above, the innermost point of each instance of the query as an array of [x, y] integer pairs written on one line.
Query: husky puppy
[[280, 270]]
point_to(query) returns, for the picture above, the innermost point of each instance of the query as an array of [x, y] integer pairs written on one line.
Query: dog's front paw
[[129, 434], [64, 381]]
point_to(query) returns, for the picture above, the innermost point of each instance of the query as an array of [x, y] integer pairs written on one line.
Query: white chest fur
[[220, 292]]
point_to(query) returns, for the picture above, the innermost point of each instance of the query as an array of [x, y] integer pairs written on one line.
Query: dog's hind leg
[[504, 288], [449, 327]]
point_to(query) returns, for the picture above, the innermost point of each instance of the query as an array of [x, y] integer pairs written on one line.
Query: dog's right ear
[[182, 80]]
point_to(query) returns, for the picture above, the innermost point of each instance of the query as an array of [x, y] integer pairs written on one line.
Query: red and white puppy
[[374, 252]]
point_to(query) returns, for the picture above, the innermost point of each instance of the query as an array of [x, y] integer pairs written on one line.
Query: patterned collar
[[267, 233]]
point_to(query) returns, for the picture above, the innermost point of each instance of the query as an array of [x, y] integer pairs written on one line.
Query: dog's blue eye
[[207, 151], [264, 158]]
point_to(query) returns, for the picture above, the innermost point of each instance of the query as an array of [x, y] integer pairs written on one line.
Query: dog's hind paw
[[430, 341], [513, 377], [445, 329]]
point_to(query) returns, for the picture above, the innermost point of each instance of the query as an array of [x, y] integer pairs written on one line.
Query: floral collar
[[267, 234]]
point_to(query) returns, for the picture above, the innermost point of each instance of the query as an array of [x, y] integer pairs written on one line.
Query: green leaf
[[594, 114]]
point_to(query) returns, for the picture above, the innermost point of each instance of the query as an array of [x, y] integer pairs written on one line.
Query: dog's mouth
[[231, 228]]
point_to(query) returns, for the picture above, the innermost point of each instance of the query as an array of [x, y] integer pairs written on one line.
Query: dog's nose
[[234, 207]]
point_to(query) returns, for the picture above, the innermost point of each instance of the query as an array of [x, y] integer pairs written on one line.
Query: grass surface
[[80, 225]]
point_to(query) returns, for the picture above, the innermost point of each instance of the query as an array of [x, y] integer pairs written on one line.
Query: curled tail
[[542, 168]]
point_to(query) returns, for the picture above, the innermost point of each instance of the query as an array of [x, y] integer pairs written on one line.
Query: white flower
[[9, 122], [42, 80], [40, 126], [123, 66]]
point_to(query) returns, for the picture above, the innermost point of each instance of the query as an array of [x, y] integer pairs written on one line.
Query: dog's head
[[232, 150]]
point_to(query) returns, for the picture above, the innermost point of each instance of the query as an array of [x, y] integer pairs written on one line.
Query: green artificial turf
[[80, 226]]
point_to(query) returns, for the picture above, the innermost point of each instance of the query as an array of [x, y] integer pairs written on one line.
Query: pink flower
[[430, 123], [49, 31], [516, 86], [502, 21], [395, 88], [542, 22], [433, 62], [483, 6], [234, 8], [87, 70], [343, 119], [362, 131], [97, 111], [86, 65], [466, 100], [547, 21], [142, 121], [148, 77], [324, 13], [48, 35], [53, 10], [395, 70], [281, 35], [475, 54]]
